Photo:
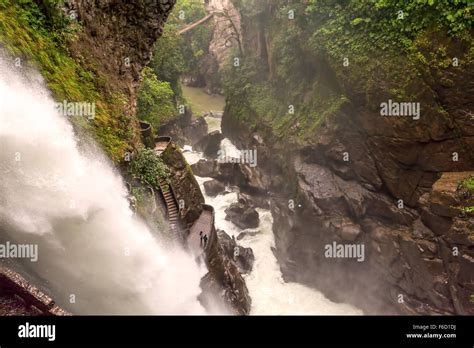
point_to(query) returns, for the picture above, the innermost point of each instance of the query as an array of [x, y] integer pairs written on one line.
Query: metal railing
[[14, 283]]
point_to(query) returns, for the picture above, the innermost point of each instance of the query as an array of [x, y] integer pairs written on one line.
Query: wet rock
[[195, 130], [409, 249], [259, 201], [447, 197], [350, 232], [185, 187], [215, 114], [185, 129], [243, 257], [244, 234], [209, 144], [205, 168], [242, 215], [213, 187]]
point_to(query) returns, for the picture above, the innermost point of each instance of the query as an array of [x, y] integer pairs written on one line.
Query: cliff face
[[223, 283], [387, 183], [118, 37], [88, 51], [96, 57]]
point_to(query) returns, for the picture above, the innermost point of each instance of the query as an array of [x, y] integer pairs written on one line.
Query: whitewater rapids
[[270, 294]]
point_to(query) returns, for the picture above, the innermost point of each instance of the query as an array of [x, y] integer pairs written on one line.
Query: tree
[[155, 100]]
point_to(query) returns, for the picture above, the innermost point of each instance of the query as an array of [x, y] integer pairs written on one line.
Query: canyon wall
[[340, 172]]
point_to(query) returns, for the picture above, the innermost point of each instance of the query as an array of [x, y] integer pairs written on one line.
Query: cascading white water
[[269, 292], [92, 251]]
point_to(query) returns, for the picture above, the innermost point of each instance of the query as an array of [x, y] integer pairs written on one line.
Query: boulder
[[242, 257], [242, 215], [213, 187], [209, 144], [205, 168], [195, 131], [259, 201]]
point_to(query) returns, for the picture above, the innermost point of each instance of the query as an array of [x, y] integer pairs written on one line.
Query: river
[[269, 292]]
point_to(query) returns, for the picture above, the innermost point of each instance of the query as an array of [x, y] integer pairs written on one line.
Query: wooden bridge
[[195, 24]]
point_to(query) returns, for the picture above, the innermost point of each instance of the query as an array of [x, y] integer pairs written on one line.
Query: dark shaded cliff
[[308, 97]]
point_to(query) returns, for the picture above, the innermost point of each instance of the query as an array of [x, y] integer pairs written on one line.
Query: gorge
[[257, 123]]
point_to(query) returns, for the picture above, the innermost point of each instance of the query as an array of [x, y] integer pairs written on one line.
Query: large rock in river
[[213, 187], [242, 215]]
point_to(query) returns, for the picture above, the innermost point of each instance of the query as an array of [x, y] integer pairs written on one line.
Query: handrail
[[172, 191], [145, 127], [146, 133], [163, 138], [210, 208]]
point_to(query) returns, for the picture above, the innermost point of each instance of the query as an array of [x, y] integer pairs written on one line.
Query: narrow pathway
[[202, 224], [161, 146]]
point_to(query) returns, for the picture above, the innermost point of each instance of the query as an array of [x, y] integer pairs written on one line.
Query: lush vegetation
[[358, 27], [38, 33], [193, 44], [148, 167], [174, 56], [168, 63], [320, 48], [155, 102], [468, 183]]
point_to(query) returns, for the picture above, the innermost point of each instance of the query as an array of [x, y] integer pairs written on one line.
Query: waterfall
[[94, 256]]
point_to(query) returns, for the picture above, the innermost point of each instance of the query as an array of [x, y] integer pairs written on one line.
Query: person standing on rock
[[205, 241]]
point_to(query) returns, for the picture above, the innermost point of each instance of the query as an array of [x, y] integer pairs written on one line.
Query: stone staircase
[[172, 209]]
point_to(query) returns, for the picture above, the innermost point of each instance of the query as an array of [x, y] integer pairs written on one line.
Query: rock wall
[[223, 282], [384, 183], [117, 40]]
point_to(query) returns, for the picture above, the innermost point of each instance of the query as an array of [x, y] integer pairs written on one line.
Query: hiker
[[200, 235], [205, 240]]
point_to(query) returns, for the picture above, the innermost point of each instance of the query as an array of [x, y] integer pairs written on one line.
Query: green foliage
[[344, 27], [30, 30], [174, 54], [305, 63], [155, 100], [195, 41], [468, 183], [468, 209], [168, 61], [148, 167]]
